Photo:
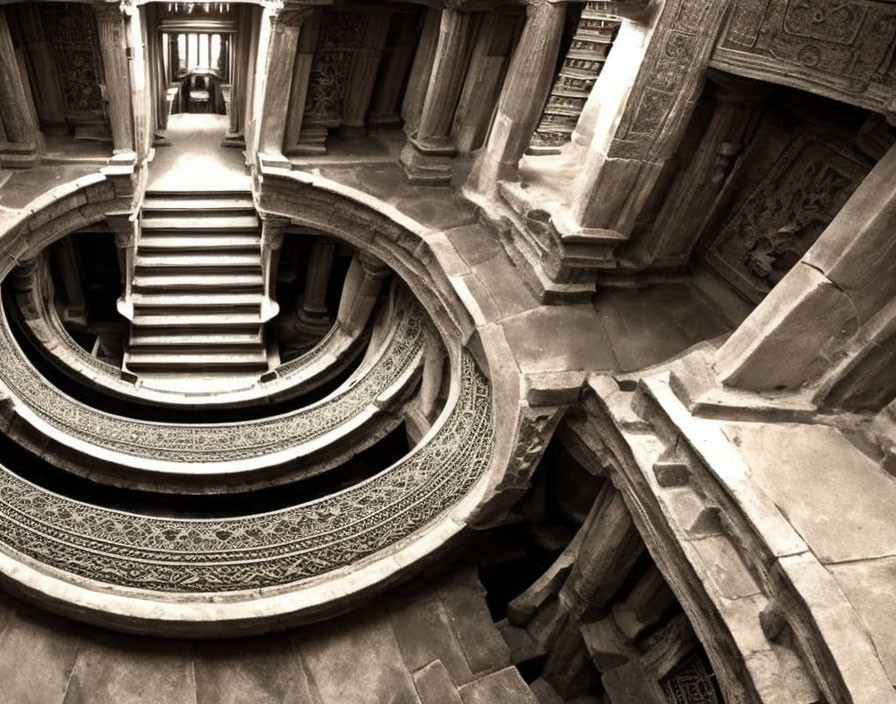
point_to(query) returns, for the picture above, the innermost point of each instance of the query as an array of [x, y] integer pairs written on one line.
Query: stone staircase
[[197, 295]]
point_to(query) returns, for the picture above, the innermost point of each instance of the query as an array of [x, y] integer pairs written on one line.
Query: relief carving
[[842, 47], [340, 40], [71, 29], [786, 212]]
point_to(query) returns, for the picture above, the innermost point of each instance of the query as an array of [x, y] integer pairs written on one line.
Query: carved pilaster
[[301, 75], [360, 291], [582, 64], [21, 134], [525, 88], [117, 88], [362, 78], [312, 306], [400, 47], [426, 156]]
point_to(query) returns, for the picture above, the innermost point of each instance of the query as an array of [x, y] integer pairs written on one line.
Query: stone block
[[503, 687], [434, 685]]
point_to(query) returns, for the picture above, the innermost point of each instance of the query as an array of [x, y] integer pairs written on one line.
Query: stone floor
[[196, 160], [430, 643], [841, 502]]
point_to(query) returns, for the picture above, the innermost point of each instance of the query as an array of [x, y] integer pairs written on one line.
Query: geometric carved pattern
[[71, 29], [582, 65], [264, 550], [340, 39], [691, 682], [194, 442], [846, 48], [786, 212]]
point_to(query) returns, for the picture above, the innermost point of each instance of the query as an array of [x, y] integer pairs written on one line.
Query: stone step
[[204, 320], [149, 281], [196, 221], [256, 360], [161, 241], [197, 300], [168, 338], [199, 260], [231, 203]]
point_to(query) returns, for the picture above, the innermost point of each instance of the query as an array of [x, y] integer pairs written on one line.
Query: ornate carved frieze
[[340, 39], [786, 212], [257, 551], [841, 49], [203, 442], [583, 63], [71, 30]]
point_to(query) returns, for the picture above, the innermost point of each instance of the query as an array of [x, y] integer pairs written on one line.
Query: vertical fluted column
[[301, 74], [363, 283], [522, 98], [427, 154], [312, 306], [273, 228], [113, 46], [277, 81], [19, 123], [364, 70], [400, 45]]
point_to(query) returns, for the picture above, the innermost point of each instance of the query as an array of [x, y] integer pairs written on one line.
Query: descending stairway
[[197, 289]]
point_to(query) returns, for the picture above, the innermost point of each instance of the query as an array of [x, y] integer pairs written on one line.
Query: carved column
[[278, 78], [363, 283], [22, 136], [421, 70], [113, 45], [48, 97], [810, 317], [525, 90], [491, 54], [362, 78], [312, 306], [301, 74], [696, 193], [75, 309], [656, 74], [582, 64], [273, 228], [400, 46], [427, 154], [433, 372]]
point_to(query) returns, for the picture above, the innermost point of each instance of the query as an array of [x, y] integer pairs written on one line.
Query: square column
[[113, 44], [363, 74], [20, 135], [426, 156]]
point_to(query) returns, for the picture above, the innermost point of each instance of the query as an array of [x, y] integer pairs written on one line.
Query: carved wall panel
[[340, 40], [71, 29], [787, 211], [840, 49]]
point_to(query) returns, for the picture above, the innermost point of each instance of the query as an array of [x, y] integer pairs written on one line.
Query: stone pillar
[[427, 154], [113, 45], [433, 372], [400, 47], [125, 227], [312, 305], [649, 86], [421, 70], [522, 98], [806, 322], [273, 228], [48, 97], [360, 292], [20, 128], [301, 74], [362, 78], [235, 136], [277, 80], [494, 43], [696, 193], [75, 309]]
